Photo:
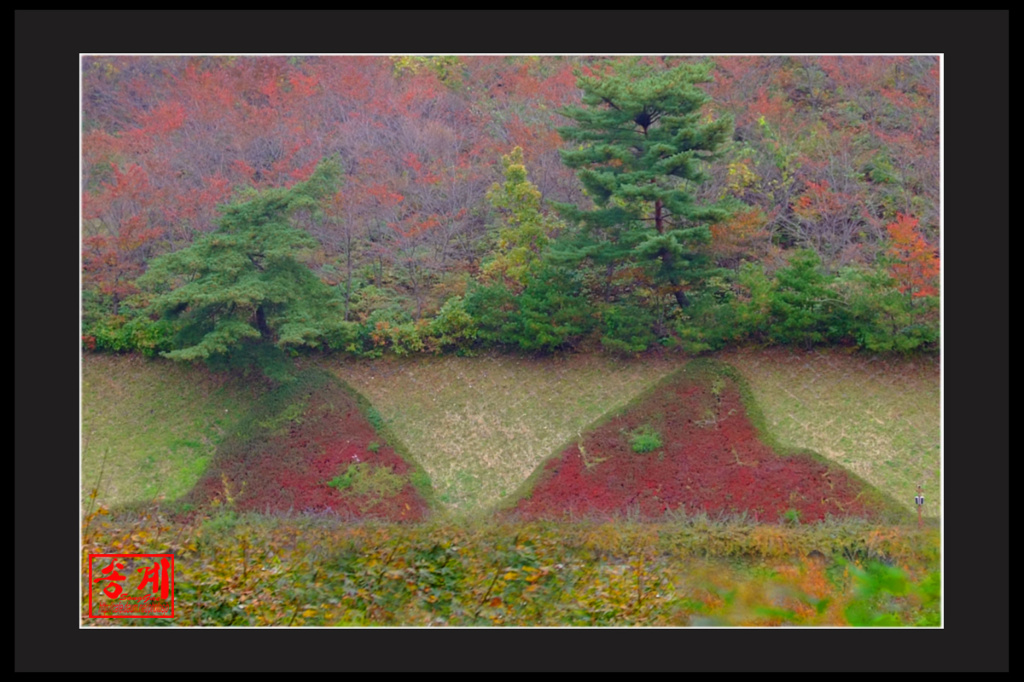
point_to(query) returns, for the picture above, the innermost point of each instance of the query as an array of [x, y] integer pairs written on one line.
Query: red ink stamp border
[[95, 556]]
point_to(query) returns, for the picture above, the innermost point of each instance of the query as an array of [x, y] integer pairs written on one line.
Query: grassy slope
[[480, 426], [878, 417], [157, 423]]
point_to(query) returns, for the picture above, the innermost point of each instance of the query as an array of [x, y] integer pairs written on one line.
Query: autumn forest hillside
[[237, 207], [644, 340]]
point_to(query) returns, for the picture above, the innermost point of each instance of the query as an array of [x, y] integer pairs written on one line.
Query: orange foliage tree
[[915, 265]]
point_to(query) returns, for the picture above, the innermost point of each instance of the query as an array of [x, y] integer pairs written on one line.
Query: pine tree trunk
[[666, 257], [681, 298], [261, 322]]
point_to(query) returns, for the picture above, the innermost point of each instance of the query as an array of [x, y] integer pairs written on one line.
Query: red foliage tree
[[118, 235], [915, 264]]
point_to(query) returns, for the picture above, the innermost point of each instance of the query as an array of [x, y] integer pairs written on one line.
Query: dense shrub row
[[557, 308]]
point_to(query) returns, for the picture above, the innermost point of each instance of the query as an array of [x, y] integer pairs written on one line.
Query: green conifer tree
[[524, 229], [643, 139], [244, 286]]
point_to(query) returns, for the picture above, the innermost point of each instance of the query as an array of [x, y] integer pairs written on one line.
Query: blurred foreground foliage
[[695, 571]]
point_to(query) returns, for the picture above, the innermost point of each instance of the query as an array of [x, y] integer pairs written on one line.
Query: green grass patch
[[290, 415], [645, 439], [150, 427], [364, 478]]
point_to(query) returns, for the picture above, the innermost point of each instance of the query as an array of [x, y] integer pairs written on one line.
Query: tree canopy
[[525, 229], [615, 223], [643, 136], [245, 284]]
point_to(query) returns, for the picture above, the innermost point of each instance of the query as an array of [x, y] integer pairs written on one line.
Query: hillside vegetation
[[695, 443], [406, 205], [879, 417], [150, 427], [260, 571], [456, 325], [480, 426]]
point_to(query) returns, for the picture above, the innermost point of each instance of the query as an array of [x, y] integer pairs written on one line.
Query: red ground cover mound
[[287, 464], [710, 459]]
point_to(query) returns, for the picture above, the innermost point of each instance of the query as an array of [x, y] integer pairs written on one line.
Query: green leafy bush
[[453, 329], [345, 336], [628, 328], [801, 303], [645, 439], [883, 594], [495, 312], [365, 478], [880, 318], [553, 312], [393, 330]]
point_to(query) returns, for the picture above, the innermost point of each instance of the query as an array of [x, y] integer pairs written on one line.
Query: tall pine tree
[[643, 139]]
